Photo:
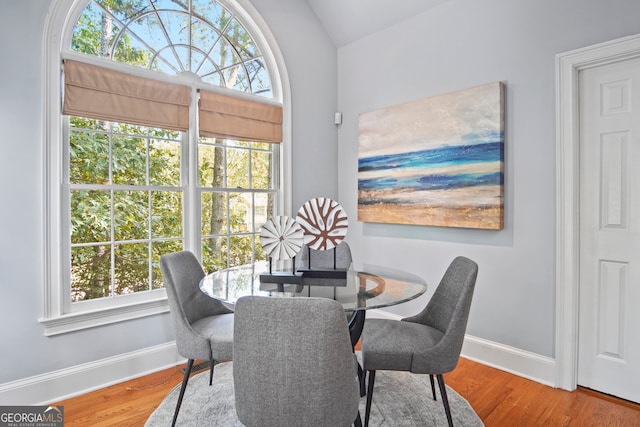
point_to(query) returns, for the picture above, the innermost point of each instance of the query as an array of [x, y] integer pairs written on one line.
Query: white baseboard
[[69, 382], [519, 362]]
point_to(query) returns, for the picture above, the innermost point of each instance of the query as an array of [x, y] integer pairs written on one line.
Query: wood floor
[[499, 399]]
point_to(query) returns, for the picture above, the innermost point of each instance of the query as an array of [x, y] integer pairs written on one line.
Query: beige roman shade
[[99, 93], [224, 116]]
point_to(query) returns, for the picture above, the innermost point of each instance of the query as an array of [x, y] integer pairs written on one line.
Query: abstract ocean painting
[[437, 161]]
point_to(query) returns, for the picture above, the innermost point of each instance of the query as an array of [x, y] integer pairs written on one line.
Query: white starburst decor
[[324, 222], [281, 237]]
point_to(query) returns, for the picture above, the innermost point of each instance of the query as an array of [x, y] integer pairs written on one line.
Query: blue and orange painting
[[438, 161]]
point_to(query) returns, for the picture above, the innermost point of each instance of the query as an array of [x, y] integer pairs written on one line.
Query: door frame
[[568, 67]]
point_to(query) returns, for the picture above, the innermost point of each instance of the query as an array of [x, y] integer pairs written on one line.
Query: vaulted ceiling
[[349, 20]]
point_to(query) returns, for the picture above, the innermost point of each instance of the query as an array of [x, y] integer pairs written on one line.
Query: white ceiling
[[349, 20]]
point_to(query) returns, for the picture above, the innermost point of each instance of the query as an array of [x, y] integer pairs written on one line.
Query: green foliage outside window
[[126, 206]]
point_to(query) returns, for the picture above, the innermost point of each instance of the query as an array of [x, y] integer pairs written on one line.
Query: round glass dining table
[[363, 287], [358, 289]]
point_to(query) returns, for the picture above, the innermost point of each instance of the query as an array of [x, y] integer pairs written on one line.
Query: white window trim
[[55, 317]]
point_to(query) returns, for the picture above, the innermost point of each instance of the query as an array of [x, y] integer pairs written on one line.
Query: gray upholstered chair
[[339, 257], [203, 326], [325, 259], [293, 364], [428, 343]]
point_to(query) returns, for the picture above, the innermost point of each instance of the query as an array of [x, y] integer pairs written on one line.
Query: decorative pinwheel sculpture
[[324, 222], [321, 224], [281, 237]]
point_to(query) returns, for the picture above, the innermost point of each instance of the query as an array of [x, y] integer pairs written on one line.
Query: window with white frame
[[170, 139]]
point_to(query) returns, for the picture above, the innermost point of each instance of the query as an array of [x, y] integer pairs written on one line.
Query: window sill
[[89, 319]]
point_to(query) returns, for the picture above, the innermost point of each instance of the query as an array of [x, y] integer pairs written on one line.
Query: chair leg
[[445, 400], [187, 372], [358, 421], [372, 378], [433, 387], [213, 363], [361, 380]]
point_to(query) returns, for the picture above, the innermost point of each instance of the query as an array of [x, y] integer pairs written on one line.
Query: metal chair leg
[[372, 377], [445, 400], [433, 387], [358, 421], [187, 372], [213, 363]]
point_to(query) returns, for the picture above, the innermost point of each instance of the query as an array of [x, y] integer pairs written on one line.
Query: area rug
[[401, 399]]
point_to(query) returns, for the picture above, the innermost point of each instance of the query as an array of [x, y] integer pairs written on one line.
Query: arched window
[[170, 137], [200, 38]]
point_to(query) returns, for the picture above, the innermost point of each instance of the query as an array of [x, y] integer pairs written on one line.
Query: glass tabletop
[[362, 288]]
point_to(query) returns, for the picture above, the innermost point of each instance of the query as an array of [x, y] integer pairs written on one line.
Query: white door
[[609, 289]]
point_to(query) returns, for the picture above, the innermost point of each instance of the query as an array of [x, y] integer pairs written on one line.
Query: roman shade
[[100, 93], [223, 116]]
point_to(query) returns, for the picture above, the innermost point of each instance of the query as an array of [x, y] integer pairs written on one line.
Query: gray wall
[[312, 66], [457, 45], [24, 350]]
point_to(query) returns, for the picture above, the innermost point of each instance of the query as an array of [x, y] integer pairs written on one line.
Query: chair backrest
[[293, 363], [448, 309], [182, 274], [325, 259]]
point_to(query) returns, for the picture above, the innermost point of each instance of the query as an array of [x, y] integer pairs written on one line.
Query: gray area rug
[[400, 399]]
